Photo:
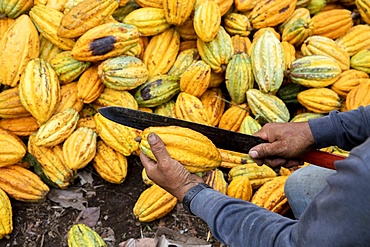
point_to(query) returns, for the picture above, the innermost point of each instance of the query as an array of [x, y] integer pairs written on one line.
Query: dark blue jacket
[[338, 216]]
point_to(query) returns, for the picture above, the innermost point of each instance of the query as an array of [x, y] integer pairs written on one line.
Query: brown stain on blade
[[102, 45]]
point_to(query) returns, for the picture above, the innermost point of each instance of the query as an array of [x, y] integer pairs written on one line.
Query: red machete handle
[[321, 158]]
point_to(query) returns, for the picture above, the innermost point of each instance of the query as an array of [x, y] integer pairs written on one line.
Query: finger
[[293, 163], [159, 149], [147, 162], [275, 162], [261, 133], [266, 150]]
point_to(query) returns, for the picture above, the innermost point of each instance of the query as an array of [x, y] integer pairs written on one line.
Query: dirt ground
[[46, 224]]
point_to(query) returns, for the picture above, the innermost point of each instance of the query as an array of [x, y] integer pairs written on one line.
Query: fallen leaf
[[89, 216], [85, 177], [72, 197], [141, 242]]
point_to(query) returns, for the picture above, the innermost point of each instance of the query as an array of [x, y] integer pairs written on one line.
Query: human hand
[[286, 142], [167, 172]]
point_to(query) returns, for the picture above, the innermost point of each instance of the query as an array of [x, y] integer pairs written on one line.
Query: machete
[[224, 139]]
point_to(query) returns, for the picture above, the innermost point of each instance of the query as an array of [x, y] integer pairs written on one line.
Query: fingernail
[[152, 138], [253, 154]]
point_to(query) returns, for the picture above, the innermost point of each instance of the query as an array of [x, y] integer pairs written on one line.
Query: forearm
[[344, 129], [240, 223]]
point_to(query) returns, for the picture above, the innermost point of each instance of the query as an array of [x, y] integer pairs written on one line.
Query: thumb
[[263, 150], [158, 148]]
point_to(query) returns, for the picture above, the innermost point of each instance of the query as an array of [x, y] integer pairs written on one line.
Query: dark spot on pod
[[284, 9], [145, 92], [244, 161], [102, 45]]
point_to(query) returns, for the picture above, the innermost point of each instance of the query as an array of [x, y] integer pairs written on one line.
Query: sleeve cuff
[[322, 138]]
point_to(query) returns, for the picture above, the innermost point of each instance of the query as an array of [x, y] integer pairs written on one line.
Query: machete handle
[[320, 158]]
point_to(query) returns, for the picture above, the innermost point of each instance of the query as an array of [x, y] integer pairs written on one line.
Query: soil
[[47, 223]]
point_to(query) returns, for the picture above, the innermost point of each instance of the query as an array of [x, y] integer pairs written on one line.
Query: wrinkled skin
[[167, 172], [287, 141]]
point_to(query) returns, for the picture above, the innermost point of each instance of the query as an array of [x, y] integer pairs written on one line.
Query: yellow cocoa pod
[[111, 97], [177, 11], [145, 178], [271, 195], [47, 21], [332, 23], [319, 100], [356, 39], [348, 80], [212, 100], [166, 109], [224, 5], [22, 126], [89, 85], [161, 52], [121, 138], [216, 180], [68, 98], [232, 118], [39, 89], [183, 61], [79, 148], [84, 16], [190, 108], [269, 13], [186, 30], [11, 105], [110, 164], [237, 24], [358, 96], [240, 187], [6, 220], [216, 79], [289, 54], [13, 9], [153, 203], [320, 45], [363, 7], [47, 49], [195, 79], [257, 175], [231, 159], [22, 184], [262, 30], [51, 164], [150, 21], [249, 125], [245, 5], [82, 235], [105, 41], [203, 158], [150, 3], [18, 45], [207, 20], [86, 122], [12, 149], [57, 129], [188, 44], [241, 44], [305, 116], [4, 24]]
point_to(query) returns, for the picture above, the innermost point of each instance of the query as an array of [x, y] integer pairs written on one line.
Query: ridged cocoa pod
[[14, 8], [304, 117], [358, 96], [203, 158], [244, 6], [187, 44], [271, 195], [110, 164], [122, 11], [57, 129], [363, 7], [153, 203], [360, 61], [123, 72], [121, 138], [22, 126], [216, 180], [150, 3], [79, 148], [320, 45], [6, 212], [289, 54], [267, 60], [257, 175], [22, 184], [259, 32], [166, 109], [80, 235], [186, 30], [4, 24], [47, 21], [195, 79], [18, 45], [216, 79], [51, 165], [239, 77], [237, 24], [190, 108], [207, 20], [157, 90], [217, 53], [269, 13], [12, 149], [183, 61], [84, 16], [86, 122], [356, 39], [150, 21], [47, 49], [267, 106], [177, 11], [233, 117], [105, 41], [249, 126], [319, 100], [213, 103], [68, 98], [39, 90], [240, 187], [241, 44], [111, 97], [161, 52], [348, 80], [231, 159], [89, 85], [67, 68], [10, 104], [145, 178]]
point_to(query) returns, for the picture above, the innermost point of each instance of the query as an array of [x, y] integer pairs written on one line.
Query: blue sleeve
[[344, 129], [338, 216]]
